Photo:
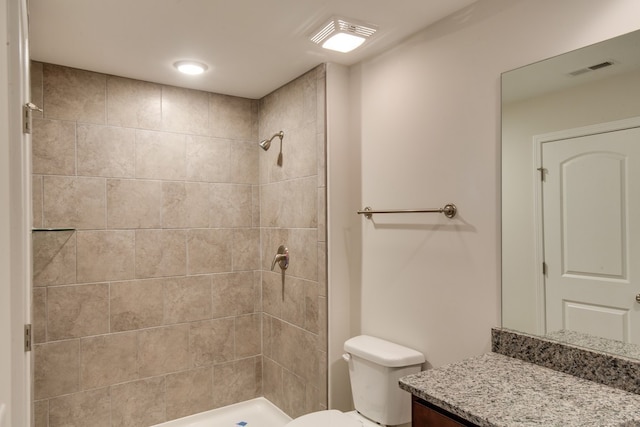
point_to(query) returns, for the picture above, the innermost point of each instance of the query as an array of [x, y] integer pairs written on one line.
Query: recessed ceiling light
[[190, 67], [342, 35]]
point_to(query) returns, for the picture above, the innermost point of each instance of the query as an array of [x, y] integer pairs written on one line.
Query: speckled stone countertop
[[493, 390]]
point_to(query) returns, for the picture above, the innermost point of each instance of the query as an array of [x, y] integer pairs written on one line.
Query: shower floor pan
[[257, 412]]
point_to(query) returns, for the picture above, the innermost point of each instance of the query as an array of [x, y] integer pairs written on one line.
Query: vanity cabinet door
[[424, 414]]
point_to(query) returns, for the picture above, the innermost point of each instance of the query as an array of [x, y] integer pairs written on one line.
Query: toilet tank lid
[[382, 352]]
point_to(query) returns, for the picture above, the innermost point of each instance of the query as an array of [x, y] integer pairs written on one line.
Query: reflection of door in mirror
[[569, 91], [590, 191]]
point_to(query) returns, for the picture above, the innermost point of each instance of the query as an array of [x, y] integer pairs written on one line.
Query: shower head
[[266, 143]]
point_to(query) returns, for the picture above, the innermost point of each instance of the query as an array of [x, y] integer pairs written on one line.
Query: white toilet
[[375, 365]]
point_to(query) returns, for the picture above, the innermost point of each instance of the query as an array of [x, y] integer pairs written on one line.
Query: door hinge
[[27, 117], [544, 268], [27, 337], [542, 172]]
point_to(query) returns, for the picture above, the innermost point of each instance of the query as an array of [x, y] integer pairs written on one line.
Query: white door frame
[[538, 140], [15, 217]]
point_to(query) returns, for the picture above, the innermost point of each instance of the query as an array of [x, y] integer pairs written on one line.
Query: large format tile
[[138, 403], [211, 341], [134, 203], [160, 155], [185, 205], [74, 202], [210, 250], [136, 304], [106, 151], [185, 110], [77, 311], [56, 369], [237, 381], [189, 392], [90, 408], [54, 258], [72, 94], [54, 147], [231, 205], [160, 253], [233, 294], [207, 159], [187, 299], [133, 103], [105, 255], [163, 350], [107, 360], [233, 117]]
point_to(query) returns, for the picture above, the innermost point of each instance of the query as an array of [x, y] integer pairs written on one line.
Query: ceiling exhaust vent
[[590, 68], [341, 29]]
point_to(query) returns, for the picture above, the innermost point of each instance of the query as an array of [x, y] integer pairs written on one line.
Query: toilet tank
[[375, 365]]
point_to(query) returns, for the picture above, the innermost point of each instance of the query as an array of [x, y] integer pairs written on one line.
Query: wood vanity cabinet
[[424, 414]]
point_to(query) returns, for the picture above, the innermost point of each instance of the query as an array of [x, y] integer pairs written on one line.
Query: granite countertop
[[499, 391]]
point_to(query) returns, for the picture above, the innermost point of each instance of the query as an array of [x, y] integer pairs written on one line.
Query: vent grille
[[342, 25], [590, 68]]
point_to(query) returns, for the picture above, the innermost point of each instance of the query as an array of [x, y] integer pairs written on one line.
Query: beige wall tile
[[272, 290], [231, 205], [39, 315], [56, 369], [233, 294], [36, 201], [185, 110], [322, 159], [77, 311], [245, 162], [138, 403], [246, 249], [293, 306], [134, 203], [41, 413], [272, 382], [210, 250], [136, 304], [185, 205], [208, 159], [322, 268], [107, 360], [322, 324], [35, 74], [189, 392], [163, 350], [90, 408], [54, 147], [323, 395], [303, 250], [211, 342], [105, 255], [248, 335], [106, 151], [160, 155], [72, 94], [311, 306], [160, 253], [237, 381], [294, 394], [54, 258], [295, 349], [133, 103], [322, 215], [291, 204], [255, 206], [233, 117], [74, 202], [187, 299]]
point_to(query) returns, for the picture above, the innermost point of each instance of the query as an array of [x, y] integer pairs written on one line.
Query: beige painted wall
[[430, 134]]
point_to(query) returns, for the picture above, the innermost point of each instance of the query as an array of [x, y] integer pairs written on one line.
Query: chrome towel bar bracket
[[449, 210]]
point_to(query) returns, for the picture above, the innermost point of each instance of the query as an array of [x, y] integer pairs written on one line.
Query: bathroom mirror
[[567, 197]]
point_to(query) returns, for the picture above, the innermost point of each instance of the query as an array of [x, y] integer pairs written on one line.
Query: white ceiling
[[252, 47]]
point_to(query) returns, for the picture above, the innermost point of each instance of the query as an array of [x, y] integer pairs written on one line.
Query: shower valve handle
[[282, 258]]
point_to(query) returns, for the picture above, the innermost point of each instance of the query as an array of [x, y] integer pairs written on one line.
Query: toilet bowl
[[375, 365]]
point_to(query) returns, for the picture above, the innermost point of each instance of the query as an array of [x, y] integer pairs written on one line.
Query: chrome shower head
[[266, 143]]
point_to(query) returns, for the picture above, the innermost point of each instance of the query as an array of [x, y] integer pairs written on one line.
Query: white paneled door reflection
[[591, 221]]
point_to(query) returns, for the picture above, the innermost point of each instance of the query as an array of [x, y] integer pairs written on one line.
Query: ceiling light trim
[[189, 67]]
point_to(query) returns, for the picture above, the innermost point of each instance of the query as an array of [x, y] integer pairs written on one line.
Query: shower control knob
[[638, 298]]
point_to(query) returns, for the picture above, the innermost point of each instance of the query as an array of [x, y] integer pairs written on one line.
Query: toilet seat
[[331, 418]]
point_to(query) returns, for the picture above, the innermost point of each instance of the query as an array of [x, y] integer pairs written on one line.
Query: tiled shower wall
[[292, 213], [152, 308]]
